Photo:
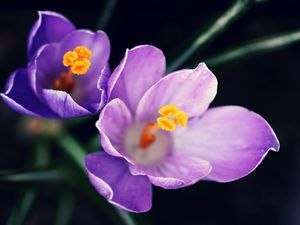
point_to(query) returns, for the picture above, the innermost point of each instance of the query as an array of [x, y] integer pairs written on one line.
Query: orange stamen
[[171, 117]]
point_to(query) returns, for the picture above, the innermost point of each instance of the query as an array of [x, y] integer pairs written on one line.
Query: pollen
[[165, 123], [170, 117], [80, 67], [168, 110], [83, 52], [69, 58], [181, 118], [78, 60]]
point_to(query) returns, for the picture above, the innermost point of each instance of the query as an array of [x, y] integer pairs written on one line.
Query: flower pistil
[[170, 117]]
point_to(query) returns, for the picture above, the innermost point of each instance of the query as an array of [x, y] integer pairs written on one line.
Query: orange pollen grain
[[78, 60]]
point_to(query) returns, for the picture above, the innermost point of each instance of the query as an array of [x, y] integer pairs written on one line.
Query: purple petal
[[50, 27], [86, 91], [233, 139], [19, 96], [190, 90], [63, 104], [47, 66], [140, 68], [114, 120], [111, 178], [175, 171]]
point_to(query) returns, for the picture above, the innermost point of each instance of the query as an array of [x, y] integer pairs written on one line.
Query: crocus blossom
[[159, 131], [66, 73]]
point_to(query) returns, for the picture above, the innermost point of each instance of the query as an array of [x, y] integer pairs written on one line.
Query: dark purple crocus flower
[[157, 130], [66, 74]]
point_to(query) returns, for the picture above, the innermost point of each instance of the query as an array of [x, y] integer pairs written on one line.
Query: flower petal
[[190, 90], [233, 139], [63, 104], [86, 92], [19, 96], [50, 27], [175, 171], [111, 178], [47, 66], [114, 120], [140, 68]]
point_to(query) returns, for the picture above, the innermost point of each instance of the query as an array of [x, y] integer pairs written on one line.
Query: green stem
[[65, 209], [73, 149], [106, 14], [208, 35], [44, 175], [255, 47], [125, 216], [22, 208], [25, 203]]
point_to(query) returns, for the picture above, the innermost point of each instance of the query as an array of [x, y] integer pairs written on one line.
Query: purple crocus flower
[[157, 130], [66, 74]]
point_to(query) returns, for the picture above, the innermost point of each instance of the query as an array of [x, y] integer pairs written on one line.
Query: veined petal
[[111, 178], [175, 171], [140, 68], [19, 96], [190, 90], [233, 139], [114, 120], [50, 27], [63, 104]]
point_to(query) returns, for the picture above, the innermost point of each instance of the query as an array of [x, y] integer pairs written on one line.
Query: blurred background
[[266, 83]]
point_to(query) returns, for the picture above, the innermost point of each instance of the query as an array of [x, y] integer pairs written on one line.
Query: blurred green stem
[[37, 175], [65, 208], [22, 208], [73, 149], [106, 14], [208, 35], [255, 47], [125, 216], [26, 201]]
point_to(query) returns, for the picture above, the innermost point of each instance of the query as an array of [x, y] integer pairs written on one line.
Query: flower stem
[[125, 216], [73, 149], [24, 205], [208, 35], [106, 14], [65, 209], [44, 175], [255, 47], [22, 208]]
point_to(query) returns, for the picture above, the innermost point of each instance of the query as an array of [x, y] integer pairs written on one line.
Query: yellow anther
[[78, 60], [165, 123], [69, 58], [168, 110], [171, 116], [80, 67], [181, 118], [83, 52]]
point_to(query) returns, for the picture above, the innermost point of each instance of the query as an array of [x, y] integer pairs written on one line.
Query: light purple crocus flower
[[219, 144], [66, 74]]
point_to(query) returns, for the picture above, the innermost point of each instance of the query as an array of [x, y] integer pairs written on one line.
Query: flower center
[[78, 63], [78, 60], [64, 82], [170, 117]]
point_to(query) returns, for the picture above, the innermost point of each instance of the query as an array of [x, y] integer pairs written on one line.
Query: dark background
[[267, 84]]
